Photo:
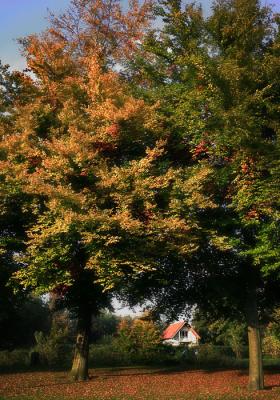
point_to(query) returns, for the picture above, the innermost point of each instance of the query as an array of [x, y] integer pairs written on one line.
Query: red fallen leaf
[[34, 161], [113, 130], [171, 69], [244, 168], [252, 214], [61, 290], [103, 146], [201, 149]]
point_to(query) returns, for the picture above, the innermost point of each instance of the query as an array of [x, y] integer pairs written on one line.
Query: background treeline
[[45, 339]]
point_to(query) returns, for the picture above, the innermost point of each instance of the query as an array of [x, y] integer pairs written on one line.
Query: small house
[[180, 333]]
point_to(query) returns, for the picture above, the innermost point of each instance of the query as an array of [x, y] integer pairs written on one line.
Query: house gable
[[172, 329], [180, 332]]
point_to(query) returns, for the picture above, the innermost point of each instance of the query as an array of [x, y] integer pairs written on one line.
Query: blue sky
[[19, 18], [22, 17]]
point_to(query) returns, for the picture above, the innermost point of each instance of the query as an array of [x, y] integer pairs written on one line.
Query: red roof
[[172, 329]]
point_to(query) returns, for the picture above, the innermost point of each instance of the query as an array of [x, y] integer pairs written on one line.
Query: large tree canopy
[[93, 156], [150, 158], [216, 82]]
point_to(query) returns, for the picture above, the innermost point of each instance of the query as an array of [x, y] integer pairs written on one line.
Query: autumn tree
[[138, 336], [216, 82], [94, 155], [63, 140]]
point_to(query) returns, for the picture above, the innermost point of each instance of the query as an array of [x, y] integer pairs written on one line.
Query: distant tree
[[52, 345], [138, 336], [20, 320], [104, 326], [230, 333]]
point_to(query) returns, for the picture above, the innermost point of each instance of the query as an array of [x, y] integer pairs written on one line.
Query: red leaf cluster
[[201, 149], [252, 214], [61, 290], [113, 130]]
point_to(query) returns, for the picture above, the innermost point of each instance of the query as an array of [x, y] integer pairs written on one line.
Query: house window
[[184, 334]]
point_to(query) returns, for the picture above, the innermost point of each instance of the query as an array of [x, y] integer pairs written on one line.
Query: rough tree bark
[[256, 377], [79, 371]]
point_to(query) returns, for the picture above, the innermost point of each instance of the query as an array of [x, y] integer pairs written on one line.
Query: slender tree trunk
[[79, 371], [256, 377]]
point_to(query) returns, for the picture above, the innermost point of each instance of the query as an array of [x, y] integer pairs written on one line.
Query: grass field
[[137, 383]]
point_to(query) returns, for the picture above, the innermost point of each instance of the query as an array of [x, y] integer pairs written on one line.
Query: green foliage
[[271, 340], [222, 332], [213, 356], [18, 210], [19, 321], [230, 333], [271, 345], [104, 327], [108, 355], [215, 81]]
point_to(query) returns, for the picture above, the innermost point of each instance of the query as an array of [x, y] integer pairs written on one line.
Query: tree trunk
[[79, 371], [256, 378]]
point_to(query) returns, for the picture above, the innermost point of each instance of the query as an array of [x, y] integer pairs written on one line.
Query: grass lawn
[[137, 383]]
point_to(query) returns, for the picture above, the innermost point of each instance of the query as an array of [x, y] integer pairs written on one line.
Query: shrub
[[54, 349], [215, 356], [14, 360], [108, 355], [271, 345], [138, 336], [271, 341]]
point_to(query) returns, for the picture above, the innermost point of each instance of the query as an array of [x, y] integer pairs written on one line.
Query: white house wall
[[191, 337]]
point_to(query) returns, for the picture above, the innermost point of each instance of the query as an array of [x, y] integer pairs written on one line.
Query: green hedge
[[110, 355], [18, 359]]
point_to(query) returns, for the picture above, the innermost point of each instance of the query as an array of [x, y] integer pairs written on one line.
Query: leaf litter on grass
[[138, 384]]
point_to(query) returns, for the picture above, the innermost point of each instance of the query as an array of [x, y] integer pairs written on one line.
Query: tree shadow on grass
[[266, 372], [271, 387], [179, 370]]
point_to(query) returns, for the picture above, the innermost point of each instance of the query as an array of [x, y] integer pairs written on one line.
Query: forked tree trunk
[[256, 377], [79, 371]]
